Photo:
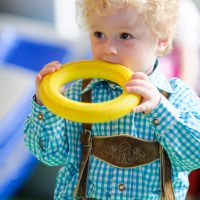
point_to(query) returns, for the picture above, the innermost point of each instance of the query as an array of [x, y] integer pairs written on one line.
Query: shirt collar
[[156, 77]]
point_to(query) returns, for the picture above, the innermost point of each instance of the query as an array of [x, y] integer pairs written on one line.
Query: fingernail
[[56, 63]]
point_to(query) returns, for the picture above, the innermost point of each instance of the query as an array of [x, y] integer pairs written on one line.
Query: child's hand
[[47, 69], [140, 84]]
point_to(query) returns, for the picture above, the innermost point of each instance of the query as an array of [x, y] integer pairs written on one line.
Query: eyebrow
[[93, 26], [127, 26]]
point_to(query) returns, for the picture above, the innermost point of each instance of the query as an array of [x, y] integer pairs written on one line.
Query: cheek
[[95, 52], [129, 49], [96, 49]]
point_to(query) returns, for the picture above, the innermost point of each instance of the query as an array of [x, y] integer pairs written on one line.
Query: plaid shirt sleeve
[[179, 127], [44, 135]]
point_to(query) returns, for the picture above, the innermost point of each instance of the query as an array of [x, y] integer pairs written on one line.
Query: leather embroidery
[[125, 153]]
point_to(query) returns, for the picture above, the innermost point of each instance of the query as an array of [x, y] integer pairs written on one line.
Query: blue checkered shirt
[[56, 142]]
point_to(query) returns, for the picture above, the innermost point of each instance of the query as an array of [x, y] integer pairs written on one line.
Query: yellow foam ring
[[87, 112]]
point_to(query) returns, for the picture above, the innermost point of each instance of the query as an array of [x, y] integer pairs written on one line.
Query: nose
[[110, 48]]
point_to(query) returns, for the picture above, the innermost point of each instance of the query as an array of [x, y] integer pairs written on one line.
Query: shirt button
[[156, 121], [121, 187], [40, 116]]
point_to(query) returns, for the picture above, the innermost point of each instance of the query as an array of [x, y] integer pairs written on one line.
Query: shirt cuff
[[163, 117], [41, 114]]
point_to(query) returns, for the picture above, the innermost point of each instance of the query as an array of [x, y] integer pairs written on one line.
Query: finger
[[50, 67], [138, 82], [143, 107], [46, 71], [38, 78], [142, 91], [140, 75], [53, 63]]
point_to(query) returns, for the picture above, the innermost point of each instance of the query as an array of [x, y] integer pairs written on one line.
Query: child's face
[[123, 37]]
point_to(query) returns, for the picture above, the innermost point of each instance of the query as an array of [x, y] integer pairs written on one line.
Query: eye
[[125, 36], [99, 34]]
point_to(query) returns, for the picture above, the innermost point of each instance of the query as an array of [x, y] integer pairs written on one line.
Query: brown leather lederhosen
[[102, 147]]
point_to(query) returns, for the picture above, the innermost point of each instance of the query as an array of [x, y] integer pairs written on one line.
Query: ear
[[162, 45]]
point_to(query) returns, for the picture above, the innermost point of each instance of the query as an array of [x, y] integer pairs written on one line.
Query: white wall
[[41, 9], [37, 9], [197, 2]]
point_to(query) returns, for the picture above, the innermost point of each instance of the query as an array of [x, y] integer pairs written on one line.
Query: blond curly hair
[[160, 15]]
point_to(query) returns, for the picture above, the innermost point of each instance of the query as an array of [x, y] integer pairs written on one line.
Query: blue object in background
[[16, 163], [33, 55]]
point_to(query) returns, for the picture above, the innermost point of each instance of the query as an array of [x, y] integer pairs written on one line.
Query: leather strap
[[81, 188], [86, 97], [167, 192]]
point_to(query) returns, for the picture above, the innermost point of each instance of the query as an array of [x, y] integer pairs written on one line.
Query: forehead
[[123, 17]]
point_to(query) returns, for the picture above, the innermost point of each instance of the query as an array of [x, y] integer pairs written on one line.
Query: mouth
[[118, 63], [111, 61]]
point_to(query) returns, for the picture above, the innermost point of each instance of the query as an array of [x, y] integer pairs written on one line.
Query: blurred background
[[33, 33]]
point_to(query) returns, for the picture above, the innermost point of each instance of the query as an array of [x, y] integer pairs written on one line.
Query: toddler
[[146, 154]]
